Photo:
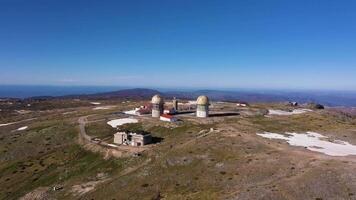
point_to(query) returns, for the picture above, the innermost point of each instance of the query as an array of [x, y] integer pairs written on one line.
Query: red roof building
[[167, 118]]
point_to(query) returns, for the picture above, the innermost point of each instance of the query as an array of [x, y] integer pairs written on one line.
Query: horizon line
[[183, 87]]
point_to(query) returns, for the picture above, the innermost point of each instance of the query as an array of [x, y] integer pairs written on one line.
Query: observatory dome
[[157, 99], [203, 100]]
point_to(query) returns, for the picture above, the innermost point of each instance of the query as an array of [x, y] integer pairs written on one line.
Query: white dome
[[157, 99], [203, 100]]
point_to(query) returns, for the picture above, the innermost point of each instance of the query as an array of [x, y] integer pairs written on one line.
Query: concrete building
[[175, 104], [132, 139], [203, 106], [157, 105], [167, 118]]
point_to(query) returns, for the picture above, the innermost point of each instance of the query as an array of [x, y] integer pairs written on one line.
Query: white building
[[167, 118], [132, 139], [157, 105], [203, 106]]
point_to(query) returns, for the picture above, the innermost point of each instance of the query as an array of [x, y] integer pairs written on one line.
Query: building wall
[[140, 140], [147, 139], [202, 111], [119, 138], [157, 110], [136, 139]]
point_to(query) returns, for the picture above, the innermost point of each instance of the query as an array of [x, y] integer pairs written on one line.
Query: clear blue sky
[[297, 44]]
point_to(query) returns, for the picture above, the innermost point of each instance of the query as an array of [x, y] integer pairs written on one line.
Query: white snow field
[[95, 103], [315, 142], [118, 122]]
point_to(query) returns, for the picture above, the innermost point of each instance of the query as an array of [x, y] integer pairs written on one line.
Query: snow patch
[[70, 112], [7, 124], [22, 111], [10, 123], [95, 103], [103, 107], [293, 112], [314, 142], [131, 112], [118, 122], [22, 128]]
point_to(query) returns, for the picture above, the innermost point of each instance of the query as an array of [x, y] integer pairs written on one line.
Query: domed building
[[157, 105], [203, 106]]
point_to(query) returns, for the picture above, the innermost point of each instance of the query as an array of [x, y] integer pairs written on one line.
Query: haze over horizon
[[186, 44]]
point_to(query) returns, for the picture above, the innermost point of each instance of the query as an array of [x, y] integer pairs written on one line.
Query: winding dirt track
[[82, 133], [98, 147]]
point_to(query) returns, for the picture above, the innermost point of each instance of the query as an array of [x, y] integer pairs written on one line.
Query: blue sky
[[275, 44]]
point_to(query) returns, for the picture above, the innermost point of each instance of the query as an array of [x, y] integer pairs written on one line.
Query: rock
[[315, 106]]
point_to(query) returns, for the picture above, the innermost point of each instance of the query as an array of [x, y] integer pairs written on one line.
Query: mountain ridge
[[328, 99]]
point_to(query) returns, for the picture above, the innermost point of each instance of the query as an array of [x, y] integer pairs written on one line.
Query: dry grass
[[229, 163]]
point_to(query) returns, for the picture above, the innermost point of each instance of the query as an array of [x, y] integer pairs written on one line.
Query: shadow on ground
[[224, 114], [156, 140]]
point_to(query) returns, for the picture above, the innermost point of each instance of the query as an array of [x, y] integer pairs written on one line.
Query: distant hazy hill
[[26, 91], [328, 98], [332, 98], [138, 93], [229, 96]]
